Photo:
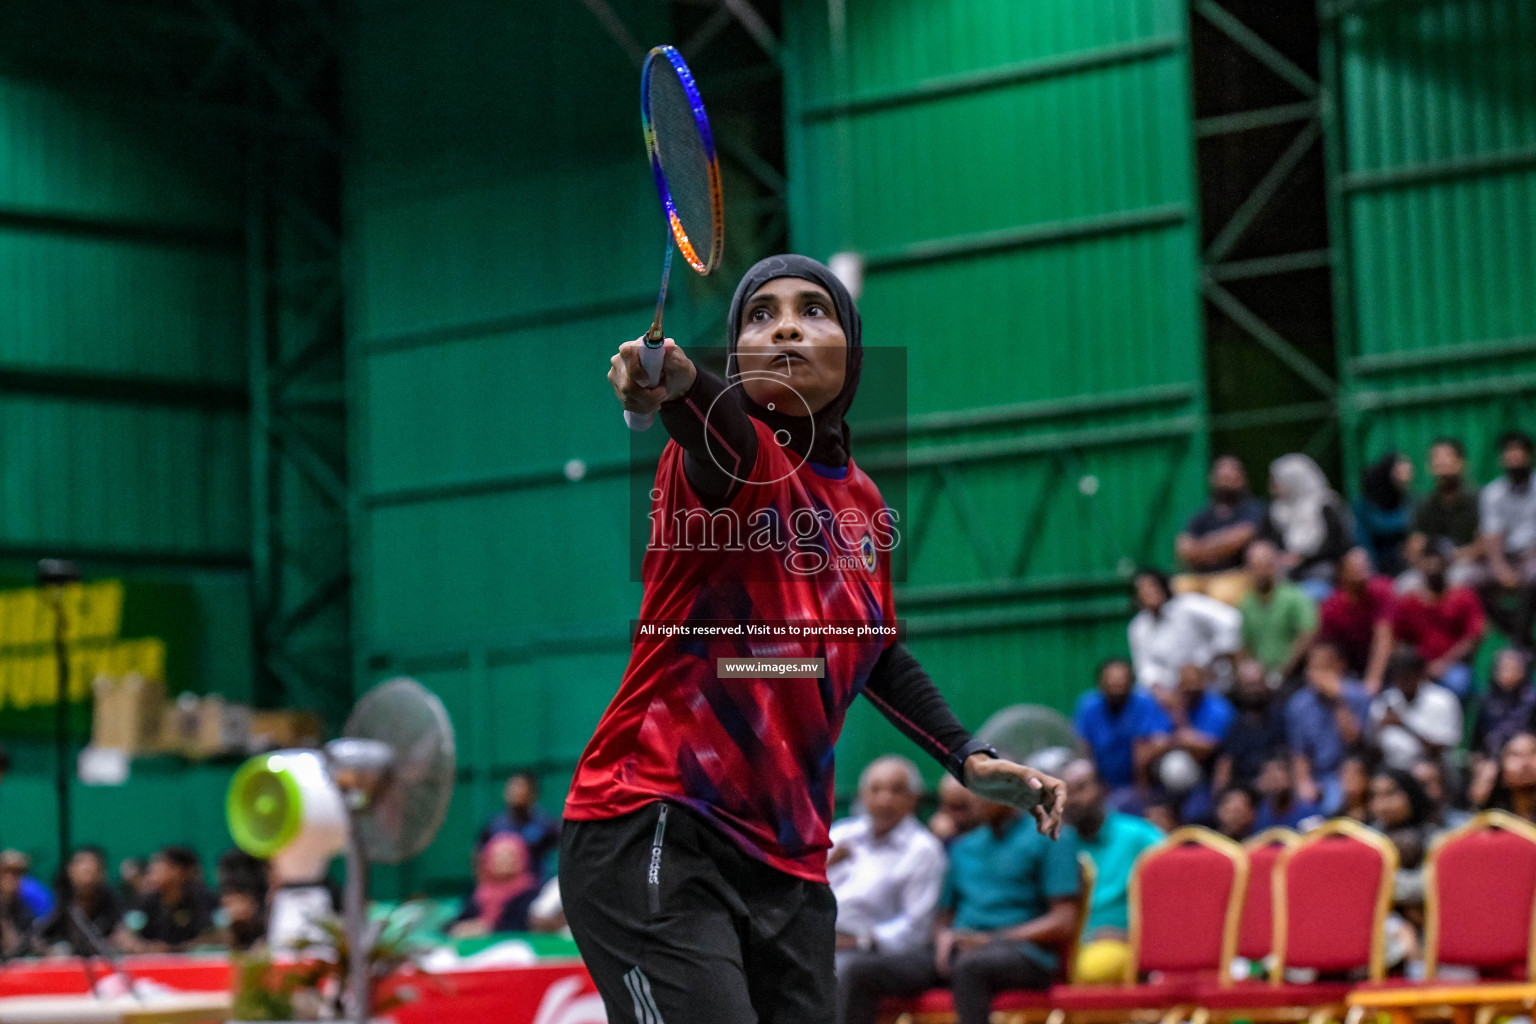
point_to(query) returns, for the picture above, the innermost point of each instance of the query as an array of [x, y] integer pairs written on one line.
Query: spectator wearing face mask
[[1384, 511], [1447, 513], [1307, 522], [1114, 719], [1213, 542], [1443, 623], [1507, 516], [1257, 731]]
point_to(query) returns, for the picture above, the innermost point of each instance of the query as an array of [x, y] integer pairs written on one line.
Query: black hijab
[[823, 438], [1380, 487]]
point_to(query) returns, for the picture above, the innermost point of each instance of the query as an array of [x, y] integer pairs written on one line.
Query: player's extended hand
[[1003, 782], [639, 395]]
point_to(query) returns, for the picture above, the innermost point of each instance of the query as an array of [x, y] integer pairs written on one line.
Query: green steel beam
[[949, 86], [1263, 193], [508, 324], [1331, 10], [1018, 414], [1249, 120], [1521, 159], [494, 483], [1446, 394], [102, 559], [107, 229], [1103, 610], [1031, 236], [1039, 444], [973, 523], [1270, 266], [1392, 362], [1297, 412], [125, 389], [1007, 589], [1258, 47], [1272, 340], [1032, 532]]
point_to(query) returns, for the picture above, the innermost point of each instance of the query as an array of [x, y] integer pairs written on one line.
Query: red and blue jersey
[[797, 544]]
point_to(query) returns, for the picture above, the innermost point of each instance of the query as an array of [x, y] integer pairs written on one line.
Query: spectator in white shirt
[[1415, 719], [1170, 631], [885, 868], [1507, 521]]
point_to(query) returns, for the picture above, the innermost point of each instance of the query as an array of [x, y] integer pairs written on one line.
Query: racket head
[[683, 158]]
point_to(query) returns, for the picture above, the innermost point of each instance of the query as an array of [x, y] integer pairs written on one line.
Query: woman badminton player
[[693, 860]]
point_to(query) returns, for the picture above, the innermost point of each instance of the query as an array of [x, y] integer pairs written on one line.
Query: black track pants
[[678, 926]]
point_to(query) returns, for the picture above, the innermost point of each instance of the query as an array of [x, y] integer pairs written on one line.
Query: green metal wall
[[123, 411], [1433, 134], [503, 239], [1018, 179]]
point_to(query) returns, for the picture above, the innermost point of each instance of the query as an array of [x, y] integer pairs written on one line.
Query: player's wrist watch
[[957, 759]]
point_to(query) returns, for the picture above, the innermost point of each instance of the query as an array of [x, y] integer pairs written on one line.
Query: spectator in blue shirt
[[1325, 722], [1113, 720], [524, 818], [1279, 806], [1009, 901], [1196, 721]]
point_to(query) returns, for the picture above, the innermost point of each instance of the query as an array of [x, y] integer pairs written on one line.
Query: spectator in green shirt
[[1113, 841], [1279, 619]]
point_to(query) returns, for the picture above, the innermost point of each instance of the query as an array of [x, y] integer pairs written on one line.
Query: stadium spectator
[[959, 811], [16, 917], [1163, 812], [1279, 807], [1198, 720], [132, 887], [1507, 518], [1509, 783], [1112, 841], [1213, 541], [178, 910], [1357, 618], [1443, 623], [1413, 717], [91, 901], [1170, 631], [242, 908], [505, 887], [1236, 812], [1401, 811], [1257, 730], [1443, 813], [1114, 719], [1355, 789], [1324, 722], [1009, 902], [1384, 511], [1307, 522], [885, 868], [37, 896], [1509, 707], [1279, 619], [1449, 512], [524, 818]]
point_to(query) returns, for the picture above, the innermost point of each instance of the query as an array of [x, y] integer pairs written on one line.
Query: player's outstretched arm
[[906, 695], [701, 413]]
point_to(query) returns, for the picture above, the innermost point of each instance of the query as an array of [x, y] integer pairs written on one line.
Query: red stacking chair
[[1256, 928], [937, 1006], [1185, 898], [1479, 911], [1333, 890]]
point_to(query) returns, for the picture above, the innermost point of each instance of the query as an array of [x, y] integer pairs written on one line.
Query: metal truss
[[1261, 58]]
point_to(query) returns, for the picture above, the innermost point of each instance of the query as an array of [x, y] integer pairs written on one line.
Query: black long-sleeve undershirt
[[905, 694], [710, 423]]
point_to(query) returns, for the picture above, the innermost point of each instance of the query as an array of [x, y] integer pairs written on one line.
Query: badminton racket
[[687, 173]]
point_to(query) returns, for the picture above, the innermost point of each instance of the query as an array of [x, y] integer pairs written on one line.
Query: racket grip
[[651, 358]]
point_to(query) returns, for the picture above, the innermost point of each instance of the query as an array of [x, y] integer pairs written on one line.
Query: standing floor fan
[[378, 794]]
